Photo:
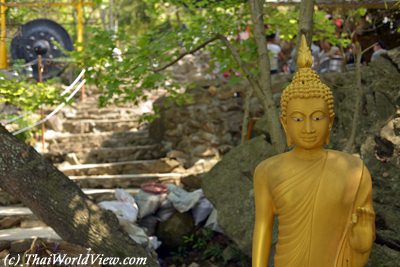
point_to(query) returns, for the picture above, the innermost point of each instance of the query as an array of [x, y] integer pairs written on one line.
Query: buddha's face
[[307, 123]]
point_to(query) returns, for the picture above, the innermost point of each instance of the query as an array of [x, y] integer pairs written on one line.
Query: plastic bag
[[148, 203], [135, 232], [183, 200], [201, 210], [154, 242], [125, 208], [123, 196], [165, 211], [212, 222]]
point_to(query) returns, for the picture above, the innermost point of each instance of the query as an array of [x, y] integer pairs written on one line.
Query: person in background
[[330, 58], [275, 53], [315, 51], [379, 49]]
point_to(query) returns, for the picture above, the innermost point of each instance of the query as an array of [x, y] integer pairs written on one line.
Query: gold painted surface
[[3, 36], [323, 198]]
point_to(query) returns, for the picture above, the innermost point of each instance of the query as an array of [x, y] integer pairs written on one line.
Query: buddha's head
[[307, 106]]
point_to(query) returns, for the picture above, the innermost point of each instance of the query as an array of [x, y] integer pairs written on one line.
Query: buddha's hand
[[362, 232]]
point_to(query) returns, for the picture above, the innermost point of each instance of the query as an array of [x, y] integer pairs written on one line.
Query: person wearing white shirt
[[275, 53]]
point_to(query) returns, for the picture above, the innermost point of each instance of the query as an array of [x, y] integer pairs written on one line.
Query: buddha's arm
[[264, 218], [362, 234]]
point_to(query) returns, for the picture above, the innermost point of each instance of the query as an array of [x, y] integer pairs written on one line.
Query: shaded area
[[60, 203]]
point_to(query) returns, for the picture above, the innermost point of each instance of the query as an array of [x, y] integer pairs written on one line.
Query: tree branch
[[305, 23], [275, 130], [349, 147], [236, 56], [202, 45]]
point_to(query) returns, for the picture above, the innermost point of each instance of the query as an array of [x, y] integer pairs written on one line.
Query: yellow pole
[[79, 35], [3, 36], [79, 29]]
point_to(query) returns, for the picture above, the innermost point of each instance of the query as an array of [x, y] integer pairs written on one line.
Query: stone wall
[[207, 128], [211, 124]]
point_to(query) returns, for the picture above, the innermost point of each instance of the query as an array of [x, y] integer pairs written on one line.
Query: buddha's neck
[[308, 154]]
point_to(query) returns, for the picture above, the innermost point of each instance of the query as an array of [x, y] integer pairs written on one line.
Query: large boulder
[[229, 186], [383, 256], [172, 231]]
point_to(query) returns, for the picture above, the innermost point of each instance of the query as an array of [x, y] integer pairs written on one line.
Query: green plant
[[28, 96], [180, 254], [213, 250]]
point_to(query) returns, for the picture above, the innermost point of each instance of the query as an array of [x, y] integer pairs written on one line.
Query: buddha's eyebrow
[[297, 111], [312, 112], [318, 110]]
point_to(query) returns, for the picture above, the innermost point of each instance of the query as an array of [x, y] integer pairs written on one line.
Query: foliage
[[201, 242], [153, 33], [28, 95], [207, 245]]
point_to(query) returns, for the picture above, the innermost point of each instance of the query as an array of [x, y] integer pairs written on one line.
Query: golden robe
[[314, 209]]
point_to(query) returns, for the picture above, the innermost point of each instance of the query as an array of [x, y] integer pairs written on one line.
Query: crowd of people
[[327, 57]]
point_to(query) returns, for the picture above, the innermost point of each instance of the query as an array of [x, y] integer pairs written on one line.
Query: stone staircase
[[101, 149]]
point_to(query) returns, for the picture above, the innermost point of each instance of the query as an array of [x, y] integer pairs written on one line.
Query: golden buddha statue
[[322, 197]]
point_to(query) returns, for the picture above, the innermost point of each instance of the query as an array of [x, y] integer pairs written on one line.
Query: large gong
[[45, 37]]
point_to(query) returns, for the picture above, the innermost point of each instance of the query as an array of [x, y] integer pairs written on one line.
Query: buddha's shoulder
[[339, 156], [271, 162]]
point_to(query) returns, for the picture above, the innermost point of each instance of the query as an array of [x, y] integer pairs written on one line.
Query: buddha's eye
[[318, 118], [297, 119]]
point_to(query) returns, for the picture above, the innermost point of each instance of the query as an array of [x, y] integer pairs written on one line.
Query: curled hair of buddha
[[306, 82]]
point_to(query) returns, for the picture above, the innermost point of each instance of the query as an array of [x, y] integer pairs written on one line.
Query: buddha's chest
[[310, 190]]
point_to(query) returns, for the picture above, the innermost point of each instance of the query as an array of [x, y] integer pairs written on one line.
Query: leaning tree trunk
[[60, 203], [264, 78]]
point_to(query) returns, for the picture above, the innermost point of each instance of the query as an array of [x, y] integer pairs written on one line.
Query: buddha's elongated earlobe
[[328, 138], [289, 140]]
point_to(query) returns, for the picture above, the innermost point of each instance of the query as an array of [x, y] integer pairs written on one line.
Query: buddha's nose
[[308, 127]]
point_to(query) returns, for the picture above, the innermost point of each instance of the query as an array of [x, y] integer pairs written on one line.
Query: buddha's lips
[[309, 138]]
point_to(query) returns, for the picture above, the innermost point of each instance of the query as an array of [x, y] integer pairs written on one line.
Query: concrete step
[[14, 211], [84, 136], [125, 180], [28, 233], [101, 113], [115, 115], [96, 195], [67, 146], [100, 125], [93, 110], [124, 167], [109, 192], [59, 137], [137, 179], [106, 154]]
